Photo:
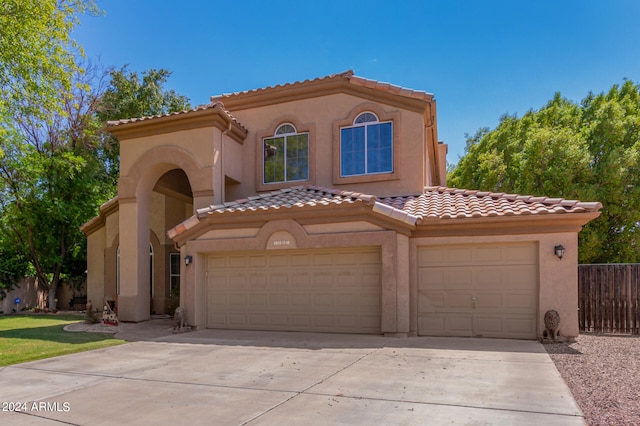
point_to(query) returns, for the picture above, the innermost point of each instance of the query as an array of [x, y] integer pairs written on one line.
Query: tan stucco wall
[[96, 245], [233, 161], [112, 227], [318, 115], [158, 216], [558, 279], [199, 142], [332, 228]]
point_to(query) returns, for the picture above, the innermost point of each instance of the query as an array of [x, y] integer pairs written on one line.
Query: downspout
[[431, 167]]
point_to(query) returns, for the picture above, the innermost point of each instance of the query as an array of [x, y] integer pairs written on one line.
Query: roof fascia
[[305, 216], [314, 89], [100, 220], [211, 117], [552, 223]]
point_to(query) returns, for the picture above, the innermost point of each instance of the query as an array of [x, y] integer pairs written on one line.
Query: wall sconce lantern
[[188, 260], [559, 251]]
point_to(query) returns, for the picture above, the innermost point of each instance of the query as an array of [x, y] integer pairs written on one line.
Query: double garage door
[[486, 290], [336, 290]]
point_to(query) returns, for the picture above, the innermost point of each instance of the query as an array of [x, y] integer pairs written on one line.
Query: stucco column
[[202, 200], [192, 297], [559, 283], [389, 283], [218, 167], [134, 298], [95, 267], [403, 288]]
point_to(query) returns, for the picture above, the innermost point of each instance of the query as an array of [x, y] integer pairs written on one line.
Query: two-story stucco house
[[322, 206]]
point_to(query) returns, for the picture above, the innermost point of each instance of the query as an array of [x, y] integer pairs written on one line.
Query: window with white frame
[[286, 155], [366, 147]]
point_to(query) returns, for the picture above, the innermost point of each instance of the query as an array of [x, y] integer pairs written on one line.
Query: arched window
[[286, 155], [366, 147]]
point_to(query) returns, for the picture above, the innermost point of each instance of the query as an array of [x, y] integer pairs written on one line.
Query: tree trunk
[[51, 297]]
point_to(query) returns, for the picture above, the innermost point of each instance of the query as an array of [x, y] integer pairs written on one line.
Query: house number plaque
[[281, 240]]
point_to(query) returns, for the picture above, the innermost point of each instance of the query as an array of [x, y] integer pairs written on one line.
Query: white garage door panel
[[478, 290], [306, 290]]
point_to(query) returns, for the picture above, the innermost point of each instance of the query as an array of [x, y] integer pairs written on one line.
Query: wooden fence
[[609, 298]]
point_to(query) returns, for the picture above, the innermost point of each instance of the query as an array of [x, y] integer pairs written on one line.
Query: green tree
[[51, 179], [587, 151], [37, 54], [38, 62], [59, 170], [129, 96]]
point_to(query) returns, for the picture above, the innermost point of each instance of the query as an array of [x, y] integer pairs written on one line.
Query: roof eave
[[99, 221], [345, 83], [516, 224], [206, 117], [201, 223]]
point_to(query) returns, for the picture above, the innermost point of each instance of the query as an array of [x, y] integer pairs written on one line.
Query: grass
[[30, 337]]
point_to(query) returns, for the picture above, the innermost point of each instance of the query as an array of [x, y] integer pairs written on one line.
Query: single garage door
[[298, 290], [488, 290]]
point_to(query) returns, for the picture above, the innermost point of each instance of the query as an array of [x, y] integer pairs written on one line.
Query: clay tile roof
[[391, 88], [296, 197], [435, 203], [211, 105], [452, 203], [346, 75], [292, 198]]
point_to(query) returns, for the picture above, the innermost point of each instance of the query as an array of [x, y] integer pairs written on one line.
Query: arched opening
[[171, 203], [155, 195]]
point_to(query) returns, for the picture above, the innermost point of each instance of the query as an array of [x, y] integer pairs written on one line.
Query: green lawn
[[29, 337]]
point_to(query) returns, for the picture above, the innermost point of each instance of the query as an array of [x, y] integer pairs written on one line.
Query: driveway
[[226, 377]]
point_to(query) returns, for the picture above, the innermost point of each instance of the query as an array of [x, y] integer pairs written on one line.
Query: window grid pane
[[379, 148], [290, 161], [274, 165], [297, 157], [352, 151]]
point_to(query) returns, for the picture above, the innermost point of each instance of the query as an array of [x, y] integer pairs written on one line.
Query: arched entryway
[[171, 204], [160, 191]]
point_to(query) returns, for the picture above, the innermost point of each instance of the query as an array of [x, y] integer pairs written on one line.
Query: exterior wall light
[[559, 251], [188, 260]]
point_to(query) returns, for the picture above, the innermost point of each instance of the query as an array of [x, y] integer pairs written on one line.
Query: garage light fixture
[[188, 260], [559, 250]]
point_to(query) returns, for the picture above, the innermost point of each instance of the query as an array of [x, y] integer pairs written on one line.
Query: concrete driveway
[[273, 378]]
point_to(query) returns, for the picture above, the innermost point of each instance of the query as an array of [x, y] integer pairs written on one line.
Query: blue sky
[[481, 59]]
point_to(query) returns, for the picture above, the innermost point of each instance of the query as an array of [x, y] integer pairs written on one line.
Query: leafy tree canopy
[[37, 54], [57, 165], [128, 96], [59, 170], [587, 151]]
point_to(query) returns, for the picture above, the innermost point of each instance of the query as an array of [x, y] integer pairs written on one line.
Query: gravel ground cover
[[603, 373]]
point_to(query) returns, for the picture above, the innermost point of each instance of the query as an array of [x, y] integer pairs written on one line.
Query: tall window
[[286, 155], [366, 147], [174, 274]]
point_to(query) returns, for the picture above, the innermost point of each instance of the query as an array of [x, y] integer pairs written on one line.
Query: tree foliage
[[38, 63], [128, 96], [37, 54], [586, 151], [51, 180], [58, 171], [57, 165]]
